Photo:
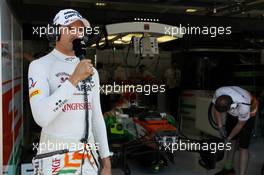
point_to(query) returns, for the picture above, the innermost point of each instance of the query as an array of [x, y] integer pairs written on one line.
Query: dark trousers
[[245, 134]]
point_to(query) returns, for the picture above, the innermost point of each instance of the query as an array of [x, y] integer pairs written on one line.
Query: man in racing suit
[[56, 93]]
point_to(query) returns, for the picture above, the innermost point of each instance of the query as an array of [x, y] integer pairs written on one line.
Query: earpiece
[[233, 106]]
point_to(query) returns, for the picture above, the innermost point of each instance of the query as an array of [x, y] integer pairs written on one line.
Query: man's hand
[[83, 70], [106, 166], [222, 133]]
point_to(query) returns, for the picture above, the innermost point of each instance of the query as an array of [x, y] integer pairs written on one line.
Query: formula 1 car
[[144, 135], [137, 134]]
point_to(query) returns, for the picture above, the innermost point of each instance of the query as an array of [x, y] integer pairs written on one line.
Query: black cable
[[140, 53], [50, 154], [85, 95], [84, 140], [128, 49], [127, 54]]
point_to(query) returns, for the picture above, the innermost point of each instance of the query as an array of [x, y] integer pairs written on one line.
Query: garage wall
[[112, 59], [11, 89]]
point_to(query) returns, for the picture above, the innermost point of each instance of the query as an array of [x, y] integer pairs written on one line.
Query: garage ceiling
[[227, 8], [243, 15]]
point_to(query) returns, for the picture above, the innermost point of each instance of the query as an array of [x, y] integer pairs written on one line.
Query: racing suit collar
[[63, 57]]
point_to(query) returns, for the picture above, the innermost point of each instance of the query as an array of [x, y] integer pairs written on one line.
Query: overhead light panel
[[166, 38], [101, 4], [146, 19], [120, 42], [127, 38], [191, 10], [110, 37]]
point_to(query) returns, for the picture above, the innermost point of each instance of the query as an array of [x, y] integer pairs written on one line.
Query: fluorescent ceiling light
[[100, 43], [126, 39], [120, 42], [100, 4], [110, 37], [163, 39], [191, 10]]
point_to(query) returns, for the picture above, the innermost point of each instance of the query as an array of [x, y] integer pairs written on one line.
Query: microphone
[[79, 48], [80, 44], [80, 51]]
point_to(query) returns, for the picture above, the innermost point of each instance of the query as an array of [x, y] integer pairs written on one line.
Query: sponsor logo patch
[[31, 83], [63, 76], [76, 107], [88, 85], [55, 166], [59, 104], [69, 59], [34, 93]]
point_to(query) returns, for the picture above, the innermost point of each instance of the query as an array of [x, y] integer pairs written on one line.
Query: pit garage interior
[[141, 44]]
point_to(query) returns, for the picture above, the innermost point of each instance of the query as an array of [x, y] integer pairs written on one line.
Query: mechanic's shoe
[[155, 168], [226, 172]]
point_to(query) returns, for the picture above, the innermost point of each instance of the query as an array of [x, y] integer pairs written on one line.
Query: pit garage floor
[[186, 163]]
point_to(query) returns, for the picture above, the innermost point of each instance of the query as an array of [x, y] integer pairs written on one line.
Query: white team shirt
[[238, 96], [58, 106]]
